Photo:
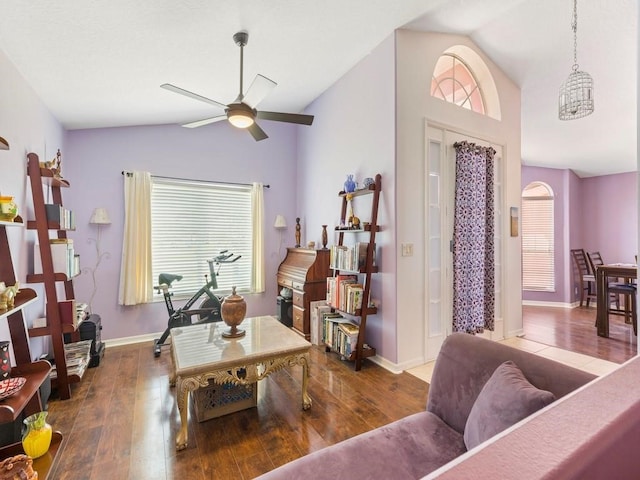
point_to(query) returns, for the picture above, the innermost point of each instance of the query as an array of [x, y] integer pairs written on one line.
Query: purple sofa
[[477, 385]]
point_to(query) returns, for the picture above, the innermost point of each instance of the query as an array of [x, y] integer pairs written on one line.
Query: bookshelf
[[352, 260], [28, 398], [52, 221]]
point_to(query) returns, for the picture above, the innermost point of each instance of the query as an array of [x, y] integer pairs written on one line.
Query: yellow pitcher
[[37, 437]]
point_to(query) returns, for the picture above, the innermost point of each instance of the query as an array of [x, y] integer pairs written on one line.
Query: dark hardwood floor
[[122, 419], [574, 329]]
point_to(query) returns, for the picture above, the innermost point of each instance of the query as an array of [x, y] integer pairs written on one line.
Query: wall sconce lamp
[[100, 217], [280, 224]]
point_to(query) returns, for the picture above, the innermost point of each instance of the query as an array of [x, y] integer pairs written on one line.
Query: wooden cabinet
[[305, 272], [57, 325], [357, 237]]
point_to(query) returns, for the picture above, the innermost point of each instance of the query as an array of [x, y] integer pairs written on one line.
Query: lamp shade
[[280, 222], [100, 217]]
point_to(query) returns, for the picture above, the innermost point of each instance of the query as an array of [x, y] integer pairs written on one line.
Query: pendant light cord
[[574, 27]]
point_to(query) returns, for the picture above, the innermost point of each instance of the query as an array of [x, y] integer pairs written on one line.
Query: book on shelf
[[341, 334], [72, 312], [352, 258], [336, 289], [353, 297], [62, 253], [318, 308], [328, 319], [58, 214]]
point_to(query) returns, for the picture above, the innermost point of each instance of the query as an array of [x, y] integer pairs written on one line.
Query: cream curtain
[[257, 270], [136, 283]]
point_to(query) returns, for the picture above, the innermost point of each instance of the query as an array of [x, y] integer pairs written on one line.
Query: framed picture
[[514, 221]]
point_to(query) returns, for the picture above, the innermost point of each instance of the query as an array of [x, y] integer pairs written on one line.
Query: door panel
[[440, 186]]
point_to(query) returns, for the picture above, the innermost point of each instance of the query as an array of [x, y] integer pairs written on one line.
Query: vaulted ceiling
[[98, 64]]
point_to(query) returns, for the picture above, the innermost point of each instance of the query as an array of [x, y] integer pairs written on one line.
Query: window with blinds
[[194, 221], [538, 238]]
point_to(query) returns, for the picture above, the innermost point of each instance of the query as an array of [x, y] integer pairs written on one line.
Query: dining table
[[604, 275]]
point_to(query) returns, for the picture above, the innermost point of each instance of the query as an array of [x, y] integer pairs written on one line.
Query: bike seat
[[168, 278]]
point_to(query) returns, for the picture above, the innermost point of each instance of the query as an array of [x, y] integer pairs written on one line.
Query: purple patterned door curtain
[[473, 242]]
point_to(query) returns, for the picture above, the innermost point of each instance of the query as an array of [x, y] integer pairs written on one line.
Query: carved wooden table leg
[[172, 373], [182, 395], [306, 399]]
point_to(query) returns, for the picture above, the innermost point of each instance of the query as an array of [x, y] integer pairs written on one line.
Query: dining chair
[[630, 311], [625, 290], [584, 275], [595, 259]]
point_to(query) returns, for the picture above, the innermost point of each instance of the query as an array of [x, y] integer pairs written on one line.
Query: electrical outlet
[[407, 249]]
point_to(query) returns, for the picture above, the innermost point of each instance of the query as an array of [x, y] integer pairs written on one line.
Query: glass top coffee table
[[200, 353]]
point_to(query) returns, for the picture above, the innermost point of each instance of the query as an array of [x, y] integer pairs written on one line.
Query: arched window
[[538, 238], [454, 82]]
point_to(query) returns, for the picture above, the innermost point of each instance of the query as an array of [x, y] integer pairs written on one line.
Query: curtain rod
[[128, 174]]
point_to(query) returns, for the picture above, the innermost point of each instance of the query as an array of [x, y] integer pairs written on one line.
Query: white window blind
[[193, 221], [537, 239]]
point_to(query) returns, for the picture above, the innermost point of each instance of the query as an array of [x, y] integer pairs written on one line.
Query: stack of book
[[345, 293], [77, 356], [340, 334], [351, 258]]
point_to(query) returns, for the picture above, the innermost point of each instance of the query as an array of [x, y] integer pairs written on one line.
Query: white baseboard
[[533, 303], [386, 364], [118, 342]]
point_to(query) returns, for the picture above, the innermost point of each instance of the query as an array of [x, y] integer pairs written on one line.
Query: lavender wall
[[94, 160], [360, 140], [594, 213], [28, 126], [610, 216]]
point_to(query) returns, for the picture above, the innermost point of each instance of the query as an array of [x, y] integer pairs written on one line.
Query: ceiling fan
[[242, 111]]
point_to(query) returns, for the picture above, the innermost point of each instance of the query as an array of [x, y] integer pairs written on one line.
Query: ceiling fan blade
[[258, 90], [206, 121], [187, 93], [257, 133], [286, 117]]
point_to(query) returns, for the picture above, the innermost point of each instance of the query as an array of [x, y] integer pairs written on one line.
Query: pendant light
[[576, 93]]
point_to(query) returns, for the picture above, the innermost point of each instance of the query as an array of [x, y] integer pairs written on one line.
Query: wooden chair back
[[581, 263], [595, 260]]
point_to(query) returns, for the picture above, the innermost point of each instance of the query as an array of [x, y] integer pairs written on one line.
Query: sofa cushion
[[505, 399], [408, 448]]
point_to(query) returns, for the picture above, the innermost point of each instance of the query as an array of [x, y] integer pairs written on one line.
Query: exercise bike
[[208, 310]]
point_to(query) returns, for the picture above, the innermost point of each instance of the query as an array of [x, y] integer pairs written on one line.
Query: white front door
[[440, 189]]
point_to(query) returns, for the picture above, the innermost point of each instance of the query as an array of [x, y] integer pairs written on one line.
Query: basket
[[216, 400]]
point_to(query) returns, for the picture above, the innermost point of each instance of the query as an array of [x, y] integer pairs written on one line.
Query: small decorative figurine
[[353, 222], [298, 232], [8, 297], [324, 237], [349, 184], [57, 165]]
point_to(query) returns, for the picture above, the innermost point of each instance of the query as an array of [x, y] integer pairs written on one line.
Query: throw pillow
[[505, 399]]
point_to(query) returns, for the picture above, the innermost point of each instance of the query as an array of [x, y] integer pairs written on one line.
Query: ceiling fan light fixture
[[240, 115], [240, 119]]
